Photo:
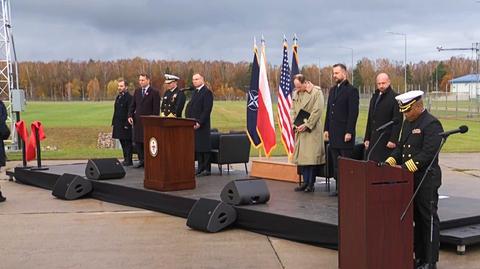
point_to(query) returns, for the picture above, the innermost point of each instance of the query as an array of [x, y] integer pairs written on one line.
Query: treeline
[[96, 80]]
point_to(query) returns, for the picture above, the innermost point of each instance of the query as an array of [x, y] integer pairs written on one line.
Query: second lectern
[[169, 153], [371, 201]]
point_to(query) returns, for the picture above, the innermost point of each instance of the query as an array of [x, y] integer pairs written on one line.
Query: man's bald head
[[383, 82]]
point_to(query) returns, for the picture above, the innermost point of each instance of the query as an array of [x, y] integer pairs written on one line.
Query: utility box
[[18, 100]]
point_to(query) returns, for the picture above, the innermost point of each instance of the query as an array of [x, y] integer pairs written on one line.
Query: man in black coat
[[199, 108], [122, 130], [173, 99], [341, 118], [3, 156], [146, 101], [416, 149], [383, 108]]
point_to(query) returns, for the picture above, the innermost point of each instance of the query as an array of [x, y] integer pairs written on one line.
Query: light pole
[[405, 59], [351, 49]]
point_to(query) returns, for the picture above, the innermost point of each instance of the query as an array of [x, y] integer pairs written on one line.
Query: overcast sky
[[224, 29]]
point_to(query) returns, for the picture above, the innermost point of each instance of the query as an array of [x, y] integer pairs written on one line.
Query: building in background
[[468, 85]]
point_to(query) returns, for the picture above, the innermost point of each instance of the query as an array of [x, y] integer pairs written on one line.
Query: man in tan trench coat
[[309, 146]]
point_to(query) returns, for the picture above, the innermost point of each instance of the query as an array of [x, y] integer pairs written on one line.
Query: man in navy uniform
[[199, 108], [383, 108], [341, 118], [122, 130], [173, 99], [146, 101], [417, 147]]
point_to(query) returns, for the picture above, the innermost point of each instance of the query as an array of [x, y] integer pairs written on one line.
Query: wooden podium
[[169, 153], [371, 201]]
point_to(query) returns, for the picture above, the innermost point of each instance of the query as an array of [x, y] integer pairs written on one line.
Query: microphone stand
[[444, 139], [374, 145]]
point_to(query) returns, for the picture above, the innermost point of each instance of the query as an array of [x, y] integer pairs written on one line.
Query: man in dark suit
[[341, 118], [122, 130], [416, 149], [146, 101], [199, 108], [383, 108], [173, 99]]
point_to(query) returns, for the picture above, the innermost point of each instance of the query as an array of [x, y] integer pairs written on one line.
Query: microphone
[[462, 129], [383, 127]]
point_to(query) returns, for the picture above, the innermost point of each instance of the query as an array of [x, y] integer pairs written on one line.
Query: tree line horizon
[[96, 80]]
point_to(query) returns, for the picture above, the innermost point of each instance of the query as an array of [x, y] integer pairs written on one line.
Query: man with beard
[[146, 101], [383, 108], [122, 129], [341, 118]]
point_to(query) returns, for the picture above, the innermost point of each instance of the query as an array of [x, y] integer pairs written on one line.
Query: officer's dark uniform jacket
[[173, 102], [418, 144], [416, 149]]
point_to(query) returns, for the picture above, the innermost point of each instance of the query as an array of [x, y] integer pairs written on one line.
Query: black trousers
[[127, 149], [140, 152], [309, 174], [426, 199], [335, 153], [203, 159]]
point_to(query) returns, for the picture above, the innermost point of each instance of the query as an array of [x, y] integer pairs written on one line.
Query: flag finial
[[295, 39]]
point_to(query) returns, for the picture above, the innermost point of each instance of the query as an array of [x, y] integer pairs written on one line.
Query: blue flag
[[295, 69], [252, 102]]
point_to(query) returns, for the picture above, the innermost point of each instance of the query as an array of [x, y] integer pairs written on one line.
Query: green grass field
[[72, 127]]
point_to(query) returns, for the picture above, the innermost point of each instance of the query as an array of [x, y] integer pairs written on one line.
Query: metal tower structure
[[475, 49], [8, 65]]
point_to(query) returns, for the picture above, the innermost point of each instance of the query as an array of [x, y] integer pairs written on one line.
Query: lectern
[[371, 201], [169, 153]]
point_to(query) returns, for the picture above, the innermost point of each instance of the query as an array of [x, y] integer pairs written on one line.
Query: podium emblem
[[153, 146]]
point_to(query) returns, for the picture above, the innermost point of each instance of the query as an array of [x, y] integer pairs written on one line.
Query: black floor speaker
[[109, 168], [245, 192], [71, 187], [210, 215]]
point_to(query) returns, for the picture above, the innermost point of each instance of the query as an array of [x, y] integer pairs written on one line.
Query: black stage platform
[[304, 217]]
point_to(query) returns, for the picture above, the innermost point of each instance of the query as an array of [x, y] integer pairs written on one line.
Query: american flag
[[285, 103]]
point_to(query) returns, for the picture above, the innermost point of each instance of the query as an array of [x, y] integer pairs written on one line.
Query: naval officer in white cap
[[417, 147], [173, 99]]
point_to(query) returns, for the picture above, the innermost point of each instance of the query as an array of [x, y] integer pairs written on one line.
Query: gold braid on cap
[[405, 107]]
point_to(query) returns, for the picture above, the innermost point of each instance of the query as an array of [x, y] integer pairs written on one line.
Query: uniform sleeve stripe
[[411, 165], [391, 161]]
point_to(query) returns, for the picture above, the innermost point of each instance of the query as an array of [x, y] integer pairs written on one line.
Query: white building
[[465, 85]]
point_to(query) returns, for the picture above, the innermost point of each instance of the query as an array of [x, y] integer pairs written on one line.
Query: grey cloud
[[216, 29]]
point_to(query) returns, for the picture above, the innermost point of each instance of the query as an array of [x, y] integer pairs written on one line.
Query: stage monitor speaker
[[108, 168], [210, 215], [71, 187], [245, 192]]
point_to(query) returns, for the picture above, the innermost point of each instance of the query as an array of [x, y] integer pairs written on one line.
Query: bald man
[[383, 108]]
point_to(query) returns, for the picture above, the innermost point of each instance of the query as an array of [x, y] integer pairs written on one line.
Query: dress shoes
[[309, 189], [333, 194], [301, 188], [203, 174], [124, 163], [428, 266], [139, 165], [2, 199]]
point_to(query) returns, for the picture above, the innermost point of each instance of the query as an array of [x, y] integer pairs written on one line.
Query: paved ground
[[40, 231]]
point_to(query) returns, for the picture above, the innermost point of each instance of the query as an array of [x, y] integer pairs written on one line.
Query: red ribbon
[[31, 145]]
